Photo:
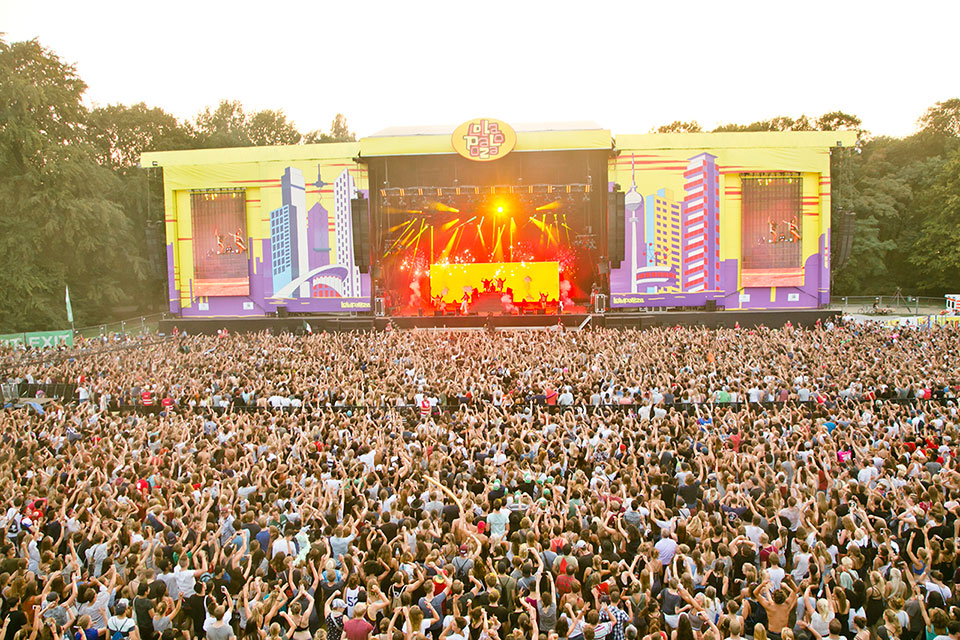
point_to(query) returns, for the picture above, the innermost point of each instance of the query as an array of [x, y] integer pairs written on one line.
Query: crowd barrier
[[63, 392], [689, 407]]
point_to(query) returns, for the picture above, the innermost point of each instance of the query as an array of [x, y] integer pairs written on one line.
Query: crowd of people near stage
[[665, 484]]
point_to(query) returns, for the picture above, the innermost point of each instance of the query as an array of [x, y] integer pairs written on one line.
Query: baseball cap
[[338, 603]]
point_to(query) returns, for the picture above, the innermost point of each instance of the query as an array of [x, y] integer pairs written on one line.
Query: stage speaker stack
[[282, 312], [616, 226], [360, 216], [380, 309], [711, 305]]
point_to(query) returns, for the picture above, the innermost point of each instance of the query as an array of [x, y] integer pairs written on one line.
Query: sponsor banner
[[358, 304], [39, 339], [697, 299]]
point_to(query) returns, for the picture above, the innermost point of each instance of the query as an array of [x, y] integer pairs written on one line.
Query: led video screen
[[772, 229], [220, 253], [520, 281]]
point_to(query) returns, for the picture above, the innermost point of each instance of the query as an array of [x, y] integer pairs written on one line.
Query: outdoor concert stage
[[621, 320], [450, 226]]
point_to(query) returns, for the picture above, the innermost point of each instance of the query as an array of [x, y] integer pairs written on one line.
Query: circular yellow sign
[[484, 139]]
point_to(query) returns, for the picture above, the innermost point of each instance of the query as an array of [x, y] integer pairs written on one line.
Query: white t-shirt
[[185, 581], [368, 461], [498, 523], [282, 545]]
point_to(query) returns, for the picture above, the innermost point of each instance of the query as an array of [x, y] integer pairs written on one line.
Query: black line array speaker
[[360, 216], [616, 226], [282, 312], [711, 305]]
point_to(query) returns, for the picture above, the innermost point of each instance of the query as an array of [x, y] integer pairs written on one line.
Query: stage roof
[[435, 140], [434, 130], [408, 141]]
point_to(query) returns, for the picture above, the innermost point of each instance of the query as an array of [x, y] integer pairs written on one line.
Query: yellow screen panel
[[527, 279]]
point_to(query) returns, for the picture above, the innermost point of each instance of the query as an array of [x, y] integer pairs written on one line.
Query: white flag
[[69, 308]]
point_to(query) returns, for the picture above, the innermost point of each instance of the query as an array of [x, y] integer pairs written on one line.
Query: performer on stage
[[500, 283], [220, 248], [464, 303], [794, 230], [239, 241], [773, 231], [487, 285]]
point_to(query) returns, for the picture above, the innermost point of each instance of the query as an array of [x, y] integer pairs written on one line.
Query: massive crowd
[[669, 484]]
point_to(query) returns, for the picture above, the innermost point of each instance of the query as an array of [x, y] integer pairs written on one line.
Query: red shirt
[[565, 584], [735, 440], [357, 629], [147, 398]]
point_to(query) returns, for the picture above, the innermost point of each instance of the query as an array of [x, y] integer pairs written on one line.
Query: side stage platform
[[624, 320]]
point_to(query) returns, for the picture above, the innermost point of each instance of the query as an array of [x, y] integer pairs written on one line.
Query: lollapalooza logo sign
[[484, 139]]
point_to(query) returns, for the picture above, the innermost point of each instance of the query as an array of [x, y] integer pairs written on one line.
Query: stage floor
[[616, 319]]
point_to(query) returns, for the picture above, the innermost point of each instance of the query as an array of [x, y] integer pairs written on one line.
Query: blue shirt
[[264, 539]]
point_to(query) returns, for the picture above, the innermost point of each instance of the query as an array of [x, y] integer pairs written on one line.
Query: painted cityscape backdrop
[[672, 240], [300, 264], [293, 255]]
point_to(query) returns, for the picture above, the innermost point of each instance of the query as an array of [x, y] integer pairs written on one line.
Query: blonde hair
[[890, 618], [823, 608]]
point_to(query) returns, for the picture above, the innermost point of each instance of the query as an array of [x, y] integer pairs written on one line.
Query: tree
[[943, 118], [58, 225], [678, 126], [225, 126], [230, 126], [269, 127], [839, 121], [120, 133], [936, 250], [865, 270], [339, 132], [779, 123]]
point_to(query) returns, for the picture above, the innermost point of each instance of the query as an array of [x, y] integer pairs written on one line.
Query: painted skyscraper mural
[[300, 248], [672, 245]]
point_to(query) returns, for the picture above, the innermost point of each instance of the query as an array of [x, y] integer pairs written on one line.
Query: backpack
[[462, 568], [119, 634], [507, 587], [395, 601]]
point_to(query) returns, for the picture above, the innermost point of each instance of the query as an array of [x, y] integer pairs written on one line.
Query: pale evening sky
[[628, 66]]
